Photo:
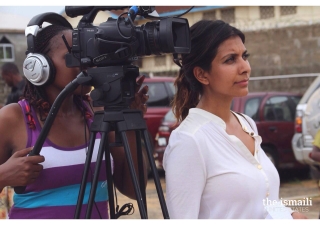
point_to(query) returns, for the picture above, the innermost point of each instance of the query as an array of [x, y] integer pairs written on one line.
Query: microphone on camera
[[133, 11]]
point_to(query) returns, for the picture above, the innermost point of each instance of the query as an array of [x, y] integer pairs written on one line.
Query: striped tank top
[[55, 192]]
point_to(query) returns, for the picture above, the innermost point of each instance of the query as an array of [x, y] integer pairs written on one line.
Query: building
[[281, 40], [13, 45]]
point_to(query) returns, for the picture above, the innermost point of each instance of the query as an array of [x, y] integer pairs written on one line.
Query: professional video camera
[[118, 42]]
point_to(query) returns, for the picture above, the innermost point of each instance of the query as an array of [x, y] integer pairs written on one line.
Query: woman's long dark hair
[[206, 37]]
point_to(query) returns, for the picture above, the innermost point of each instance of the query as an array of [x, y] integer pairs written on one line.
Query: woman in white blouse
[[215, 167]]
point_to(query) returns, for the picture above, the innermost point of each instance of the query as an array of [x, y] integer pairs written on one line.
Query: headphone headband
[[50, 17], [36, 22]]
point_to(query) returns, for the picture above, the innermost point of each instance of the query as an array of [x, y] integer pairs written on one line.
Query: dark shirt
[[16, 92]]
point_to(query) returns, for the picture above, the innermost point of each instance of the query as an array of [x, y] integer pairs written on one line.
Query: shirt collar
[[210, 116], [217, 120]]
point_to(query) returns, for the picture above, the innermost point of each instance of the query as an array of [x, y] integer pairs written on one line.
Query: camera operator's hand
[[141, 97], [20, 170]]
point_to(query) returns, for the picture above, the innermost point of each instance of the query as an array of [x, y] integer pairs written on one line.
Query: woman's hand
[[297, 215], [20, 169], [141, 97]]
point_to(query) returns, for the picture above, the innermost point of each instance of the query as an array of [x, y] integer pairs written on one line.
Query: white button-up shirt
[[211, 174]]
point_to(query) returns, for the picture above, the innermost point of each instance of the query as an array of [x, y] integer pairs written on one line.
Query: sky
[[30, 11], [35, 7]]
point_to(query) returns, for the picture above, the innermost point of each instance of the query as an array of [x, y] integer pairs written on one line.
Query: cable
[[131, 23], [86, 143], [122, 211]]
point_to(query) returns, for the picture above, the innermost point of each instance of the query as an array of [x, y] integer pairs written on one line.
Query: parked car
[[302, 140], [161, 92], [273, 113], [168, 124]]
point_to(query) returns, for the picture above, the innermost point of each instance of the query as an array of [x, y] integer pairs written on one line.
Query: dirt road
[[290, 189]]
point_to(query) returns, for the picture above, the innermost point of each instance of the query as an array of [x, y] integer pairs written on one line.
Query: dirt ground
[[291, 188]]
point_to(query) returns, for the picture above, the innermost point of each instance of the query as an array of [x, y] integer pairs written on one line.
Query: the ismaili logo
[[298, 205]]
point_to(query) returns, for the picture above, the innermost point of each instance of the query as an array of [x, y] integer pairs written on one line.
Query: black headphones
[[38, 68]]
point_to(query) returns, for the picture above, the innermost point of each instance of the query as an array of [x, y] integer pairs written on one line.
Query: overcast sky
[[30, 11]]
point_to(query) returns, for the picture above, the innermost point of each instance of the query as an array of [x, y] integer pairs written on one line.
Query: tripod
[[119, 120]]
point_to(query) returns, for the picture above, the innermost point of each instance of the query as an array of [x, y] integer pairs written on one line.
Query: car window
[[158, 95], [172, 87], [251, 108], [277, 108], [294, 102], [296, 99]]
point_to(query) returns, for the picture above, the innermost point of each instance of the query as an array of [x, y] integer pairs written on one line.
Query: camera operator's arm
[[16, 169], [20, 170], [122, 177]]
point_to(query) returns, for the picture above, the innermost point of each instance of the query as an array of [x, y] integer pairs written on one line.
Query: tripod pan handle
[[19, 189]]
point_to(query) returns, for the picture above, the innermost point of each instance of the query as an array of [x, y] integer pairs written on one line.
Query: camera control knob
[[96, 94], [106, 87]]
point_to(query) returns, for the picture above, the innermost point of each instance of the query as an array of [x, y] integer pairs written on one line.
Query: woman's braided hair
[[36, 95]]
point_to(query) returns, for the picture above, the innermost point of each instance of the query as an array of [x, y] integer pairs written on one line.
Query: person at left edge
[[12, 77], [10, 74]]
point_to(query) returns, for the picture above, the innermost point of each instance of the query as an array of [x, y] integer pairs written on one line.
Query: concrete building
[[281, 40], [13, 45]]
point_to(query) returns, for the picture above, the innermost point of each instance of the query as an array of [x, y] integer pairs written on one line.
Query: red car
[[161, 92], [274, 114]]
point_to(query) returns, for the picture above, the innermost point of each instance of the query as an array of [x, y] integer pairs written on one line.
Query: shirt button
[[259, 167], [252, 134], [267, 194]]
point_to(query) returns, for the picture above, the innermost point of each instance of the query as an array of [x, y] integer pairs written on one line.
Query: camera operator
[[53, 195]]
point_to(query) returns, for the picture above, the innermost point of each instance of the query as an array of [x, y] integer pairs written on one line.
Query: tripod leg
[[133, 175], [85, 175], [102, 147], [141, 169], [155, 175], [110, 183]]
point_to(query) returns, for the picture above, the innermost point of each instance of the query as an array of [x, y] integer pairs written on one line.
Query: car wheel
[[271, 155]]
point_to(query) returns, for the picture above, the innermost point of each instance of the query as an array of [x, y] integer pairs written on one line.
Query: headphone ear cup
[[52, 70], [38, 69]]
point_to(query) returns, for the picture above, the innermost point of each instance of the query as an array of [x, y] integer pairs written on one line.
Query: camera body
[[119, 41], [107, 51]]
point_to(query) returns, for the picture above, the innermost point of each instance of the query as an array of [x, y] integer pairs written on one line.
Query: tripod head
[[114, 86]]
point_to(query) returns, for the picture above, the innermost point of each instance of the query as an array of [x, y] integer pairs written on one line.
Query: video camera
[[107, 51], [119, 41]]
